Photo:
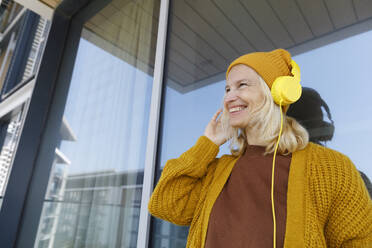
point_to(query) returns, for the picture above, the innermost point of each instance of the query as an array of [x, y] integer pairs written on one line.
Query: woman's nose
[[230, 96]]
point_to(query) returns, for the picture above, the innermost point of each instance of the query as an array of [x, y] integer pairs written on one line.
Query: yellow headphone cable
[[272, 173]]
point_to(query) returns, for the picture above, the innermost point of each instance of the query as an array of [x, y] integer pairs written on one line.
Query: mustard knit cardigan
[[327, 202]]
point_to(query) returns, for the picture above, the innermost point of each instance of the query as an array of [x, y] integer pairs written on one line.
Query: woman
[[319, 198]]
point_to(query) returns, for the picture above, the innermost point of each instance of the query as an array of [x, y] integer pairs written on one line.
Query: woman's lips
[[237, 112]]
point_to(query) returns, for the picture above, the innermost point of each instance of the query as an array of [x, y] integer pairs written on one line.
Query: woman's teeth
[[236, 109]]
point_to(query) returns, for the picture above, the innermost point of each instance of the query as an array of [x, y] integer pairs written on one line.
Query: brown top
[[242, 215]]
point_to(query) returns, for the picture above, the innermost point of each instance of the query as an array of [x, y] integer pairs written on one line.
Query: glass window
[[10, 128], [22, 39], [22, 49], [336, 96], [7, 46], [21, 46], [8, 12], [94, 193], [206, 36]]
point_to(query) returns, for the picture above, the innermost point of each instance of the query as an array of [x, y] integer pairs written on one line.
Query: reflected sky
[[108, 110], [108, 106], [341, 73]]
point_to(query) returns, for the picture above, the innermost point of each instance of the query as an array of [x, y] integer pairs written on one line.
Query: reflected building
[[56, 190], [22, 41], [9, 147], [97, 209]]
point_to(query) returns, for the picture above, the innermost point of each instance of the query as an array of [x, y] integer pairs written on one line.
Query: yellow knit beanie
[[269, 65]]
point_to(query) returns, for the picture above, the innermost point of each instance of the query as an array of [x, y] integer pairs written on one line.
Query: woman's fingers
[[214, 131], [215, 116]]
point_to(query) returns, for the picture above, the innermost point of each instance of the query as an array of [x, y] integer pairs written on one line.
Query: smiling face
[[243, 95]]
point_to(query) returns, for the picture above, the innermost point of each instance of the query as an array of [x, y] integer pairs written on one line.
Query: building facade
[[96, 96]]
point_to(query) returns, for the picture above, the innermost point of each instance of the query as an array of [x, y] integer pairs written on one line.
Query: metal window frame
[[19, 97], [24, 197], [153, 129]]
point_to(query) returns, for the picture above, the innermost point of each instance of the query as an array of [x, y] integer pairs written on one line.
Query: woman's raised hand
[[214, 131]]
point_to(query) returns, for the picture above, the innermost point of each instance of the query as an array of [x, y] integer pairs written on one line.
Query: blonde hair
[[265, 120]]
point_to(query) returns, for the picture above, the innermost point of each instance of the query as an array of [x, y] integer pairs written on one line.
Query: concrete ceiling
[[206, 35]]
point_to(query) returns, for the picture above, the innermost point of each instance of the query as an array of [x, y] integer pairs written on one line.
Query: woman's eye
[[227, 90], [243, 84]]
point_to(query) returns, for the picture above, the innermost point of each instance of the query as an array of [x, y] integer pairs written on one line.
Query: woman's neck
[[253, 137]]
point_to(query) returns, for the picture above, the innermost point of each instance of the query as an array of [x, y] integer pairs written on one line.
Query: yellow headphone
[[285, 90]]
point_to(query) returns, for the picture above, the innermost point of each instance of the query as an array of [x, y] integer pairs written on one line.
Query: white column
[[150, 160]]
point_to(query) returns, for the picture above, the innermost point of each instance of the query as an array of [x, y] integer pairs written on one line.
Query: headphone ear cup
[[321, 132], [286, 89], [329, 130]]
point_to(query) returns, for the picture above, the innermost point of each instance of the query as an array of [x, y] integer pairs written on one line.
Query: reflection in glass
[[94, 192], [349, 118], [8, 12], [7, 46], [313, 113], [23, 52], [10, 128]]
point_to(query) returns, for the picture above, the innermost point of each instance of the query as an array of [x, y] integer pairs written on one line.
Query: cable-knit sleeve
[[350, 219], [177, 193]]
